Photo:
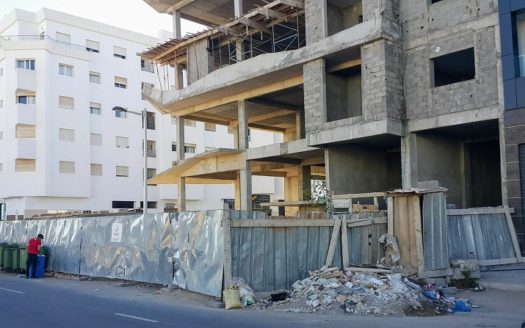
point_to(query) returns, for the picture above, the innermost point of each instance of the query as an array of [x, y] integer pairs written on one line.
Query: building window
[[173, 146], [520, 32], [453, 68], [151, 173], [66, 135], [150, 204], [119, 52], [24, 131], [150, 121], [122, 142], [27, 100], [66, 102], [66, 167], [95, 108], [190, 148], [210, 127], [121, 82], [63, 37], [122, 204], [151, 149], [120, 114], [190, 123], [92, 46], [147, 65], [66, 70], [25, 64], [25, 165], [94, 77], [122, 171], [96, 139], [96, 169]]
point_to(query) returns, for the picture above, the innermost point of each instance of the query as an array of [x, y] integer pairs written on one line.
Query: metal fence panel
[[198, 251], [435, 237]]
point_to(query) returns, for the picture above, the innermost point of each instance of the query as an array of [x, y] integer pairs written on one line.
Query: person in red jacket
[[33, 247]]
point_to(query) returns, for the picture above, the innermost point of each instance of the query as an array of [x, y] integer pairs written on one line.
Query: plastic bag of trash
[[245, 291], [231, 298], [392, 255]]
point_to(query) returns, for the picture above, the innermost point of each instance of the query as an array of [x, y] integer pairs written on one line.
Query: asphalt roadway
[[56, 303]]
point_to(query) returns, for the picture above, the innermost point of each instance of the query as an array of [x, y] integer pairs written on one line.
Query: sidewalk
[[508, 278]]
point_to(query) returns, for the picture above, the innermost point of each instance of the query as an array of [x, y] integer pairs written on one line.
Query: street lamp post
[[144, 125]]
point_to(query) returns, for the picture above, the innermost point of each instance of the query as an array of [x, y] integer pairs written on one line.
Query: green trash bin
[[15, 258], [22, 256], [8, 259], [2, 246]]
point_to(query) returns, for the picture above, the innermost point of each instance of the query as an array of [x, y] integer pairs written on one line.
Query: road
[[56, 303]]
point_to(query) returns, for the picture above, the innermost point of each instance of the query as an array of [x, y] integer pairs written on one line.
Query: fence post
[[227, 247], [344, 243]]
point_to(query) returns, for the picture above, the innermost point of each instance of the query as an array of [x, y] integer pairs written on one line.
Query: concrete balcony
[[26, 148], [25, 114], [25, 80]]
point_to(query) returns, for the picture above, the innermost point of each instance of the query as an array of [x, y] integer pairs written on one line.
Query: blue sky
[[134, 15]]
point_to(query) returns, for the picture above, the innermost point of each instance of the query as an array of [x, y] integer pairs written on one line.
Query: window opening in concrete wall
[[122, 142], [66, 167], [66, 102], [26, 100], [122, 204], [96, 169], [119, 52], [343, 14], [520, 34], [96, 139], [92, 46], [121, 82], [151, 147], [121, 171], [66, 70], [25, 131], [150, 204], [484, 173], [94, 77], [150, 121], [25, 64], [66, 135], [95, 108], [343, 93], [25, 165], [454, 67]]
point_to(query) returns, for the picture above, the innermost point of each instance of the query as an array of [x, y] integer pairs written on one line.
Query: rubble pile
[[362, 293], [365, 292]]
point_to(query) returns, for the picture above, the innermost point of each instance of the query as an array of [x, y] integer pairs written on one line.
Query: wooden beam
[[479, 210], [206, 119], [270, 13], [252, 93], [345, 65], [265, 116], [333, 242], [344, 243]]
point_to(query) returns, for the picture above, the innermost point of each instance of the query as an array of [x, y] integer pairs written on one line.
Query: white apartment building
[[63, 148]]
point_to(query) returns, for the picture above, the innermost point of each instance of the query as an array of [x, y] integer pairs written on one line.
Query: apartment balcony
[[26, 148], [25, 114], [44, 42], [25, 80]]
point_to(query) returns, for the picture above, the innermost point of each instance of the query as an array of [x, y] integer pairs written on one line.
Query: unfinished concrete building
[[369, 95]]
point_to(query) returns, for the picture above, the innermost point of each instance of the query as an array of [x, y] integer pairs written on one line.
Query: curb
[[503, 286]]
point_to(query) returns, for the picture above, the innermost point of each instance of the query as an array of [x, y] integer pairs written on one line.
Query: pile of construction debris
[[360, 291]]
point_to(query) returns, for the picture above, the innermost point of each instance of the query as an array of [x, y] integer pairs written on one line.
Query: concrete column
[[316, 17], [180, 139], [245, 181], [239, 11], [177, 34], [409, 161], [179, 83], [305, 182], [315, 109], [182, 194], [242, 124]]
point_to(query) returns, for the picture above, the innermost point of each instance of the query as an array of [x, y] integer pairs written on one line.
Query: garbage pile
[[363, 292]]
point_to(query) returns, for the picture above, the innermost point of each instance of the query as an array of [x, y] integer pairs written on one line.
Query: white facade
[[62, 146]]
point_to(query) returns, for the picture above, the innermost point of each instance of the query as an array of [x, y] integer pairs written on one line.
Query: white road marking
[[11, 290], [134, 317]]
